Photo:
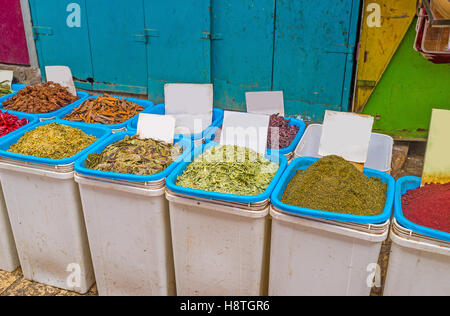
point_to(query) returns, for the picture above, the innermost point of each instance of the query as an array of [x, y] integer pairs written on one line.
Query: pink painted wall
[[13, 44]]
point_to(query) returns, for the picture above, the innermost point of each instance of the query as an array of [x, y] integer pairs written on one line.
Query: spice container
[[48, 224], [296, 127], [220, 241], [127, 220], [31, 96], [419, 261], [15, 88], [315, 252], [196, 139], [379, 156], [106, 109], [9, 261]]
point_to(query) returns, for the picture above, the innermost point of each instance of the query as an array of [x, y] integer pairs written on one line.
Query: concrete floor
[[407, 160]]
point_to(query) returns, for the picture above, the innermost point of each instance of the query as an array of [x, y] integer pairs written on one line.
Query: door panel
[[62, 37], [242, 49], [118, 53], [178, 46], [313, 43]]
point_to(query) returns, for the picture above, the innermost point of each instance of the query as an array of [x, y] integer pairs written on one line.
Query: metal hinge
[[42, 30], [147, 33], [212, 37]]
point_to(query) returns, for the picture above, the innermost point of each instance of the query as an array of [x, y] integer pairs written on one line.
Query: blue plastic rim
[[211, 134], [144, 103], [81, 169], [15, 88], [7, 141], [81, 94], [31, 121], [171, 181], [303, 163], [160, 109], [403, 185]]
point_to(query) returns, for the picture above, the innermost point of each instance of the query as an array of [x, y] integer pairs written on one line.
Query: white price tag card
[[157, 127], [6, 76], [192, 99], [437, 156], [266, 102], [346, 135], [245, 130], [61, 75]]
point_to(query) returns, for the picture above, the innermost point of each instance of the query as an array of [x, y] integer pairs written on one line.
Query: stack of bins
[[147, 105], [379, 156], [127, 220], [322, 253], [44, 208], [220, 241], [195, 139], [9, 261], [213, 135], [45, 116], [419, 262]]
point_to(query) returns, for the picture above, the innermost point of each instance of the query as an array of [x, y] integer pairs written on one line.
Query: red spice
[[9, 123], [428, 206]]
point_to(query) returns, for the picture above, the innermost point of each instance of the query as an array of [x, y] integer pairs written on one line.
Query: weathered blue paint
[[119, 59], [58, 44], [305, 48], [179, 49], [314, 52], [242, 49]]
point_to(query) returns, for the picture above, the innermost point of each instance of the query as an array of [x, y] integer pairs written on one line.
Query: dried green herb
[[53, 141], [5, 88], [335, 185], [135, 156], [229, 169]]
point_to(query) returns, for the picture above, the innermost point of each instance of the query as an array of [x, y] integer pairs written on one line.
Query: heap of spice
[[335, 185], [104, 110], [286, 132], [4, 88], [54, 141], [229, 169], [9, 123], [428, 206], [135, 156], [39, 99]]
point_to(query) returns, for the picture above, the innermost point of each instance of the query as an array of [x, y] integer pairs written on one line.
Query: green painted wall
[[409, 89]]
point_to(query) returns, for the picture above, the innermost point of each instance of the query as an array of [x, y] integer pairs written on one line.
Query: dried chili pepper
[[9, 123], [104, 110], [39, 99]]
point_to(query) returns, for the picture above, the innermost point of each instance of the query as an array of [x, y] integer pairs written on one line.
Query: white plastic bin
[[320, 257], [44, 208], [379, 155], [418, 265], [9, 260], [129, 234], [220, 248]]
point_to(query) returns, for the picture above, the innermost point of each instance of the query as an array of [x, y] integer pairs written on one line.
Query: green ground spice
[[135, 156], [335, 185], [54, 141], [229, 169]]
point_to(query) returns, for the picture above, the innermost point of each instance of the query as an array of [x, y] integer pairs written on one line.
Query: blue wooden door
[[62, 38], [242, 49], [314, 53], [119, 54], [179, 50]]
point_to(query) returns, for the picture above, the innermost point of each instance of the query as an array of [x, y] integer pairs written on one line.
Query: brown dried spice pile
[[104, 110], [40, 99]]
